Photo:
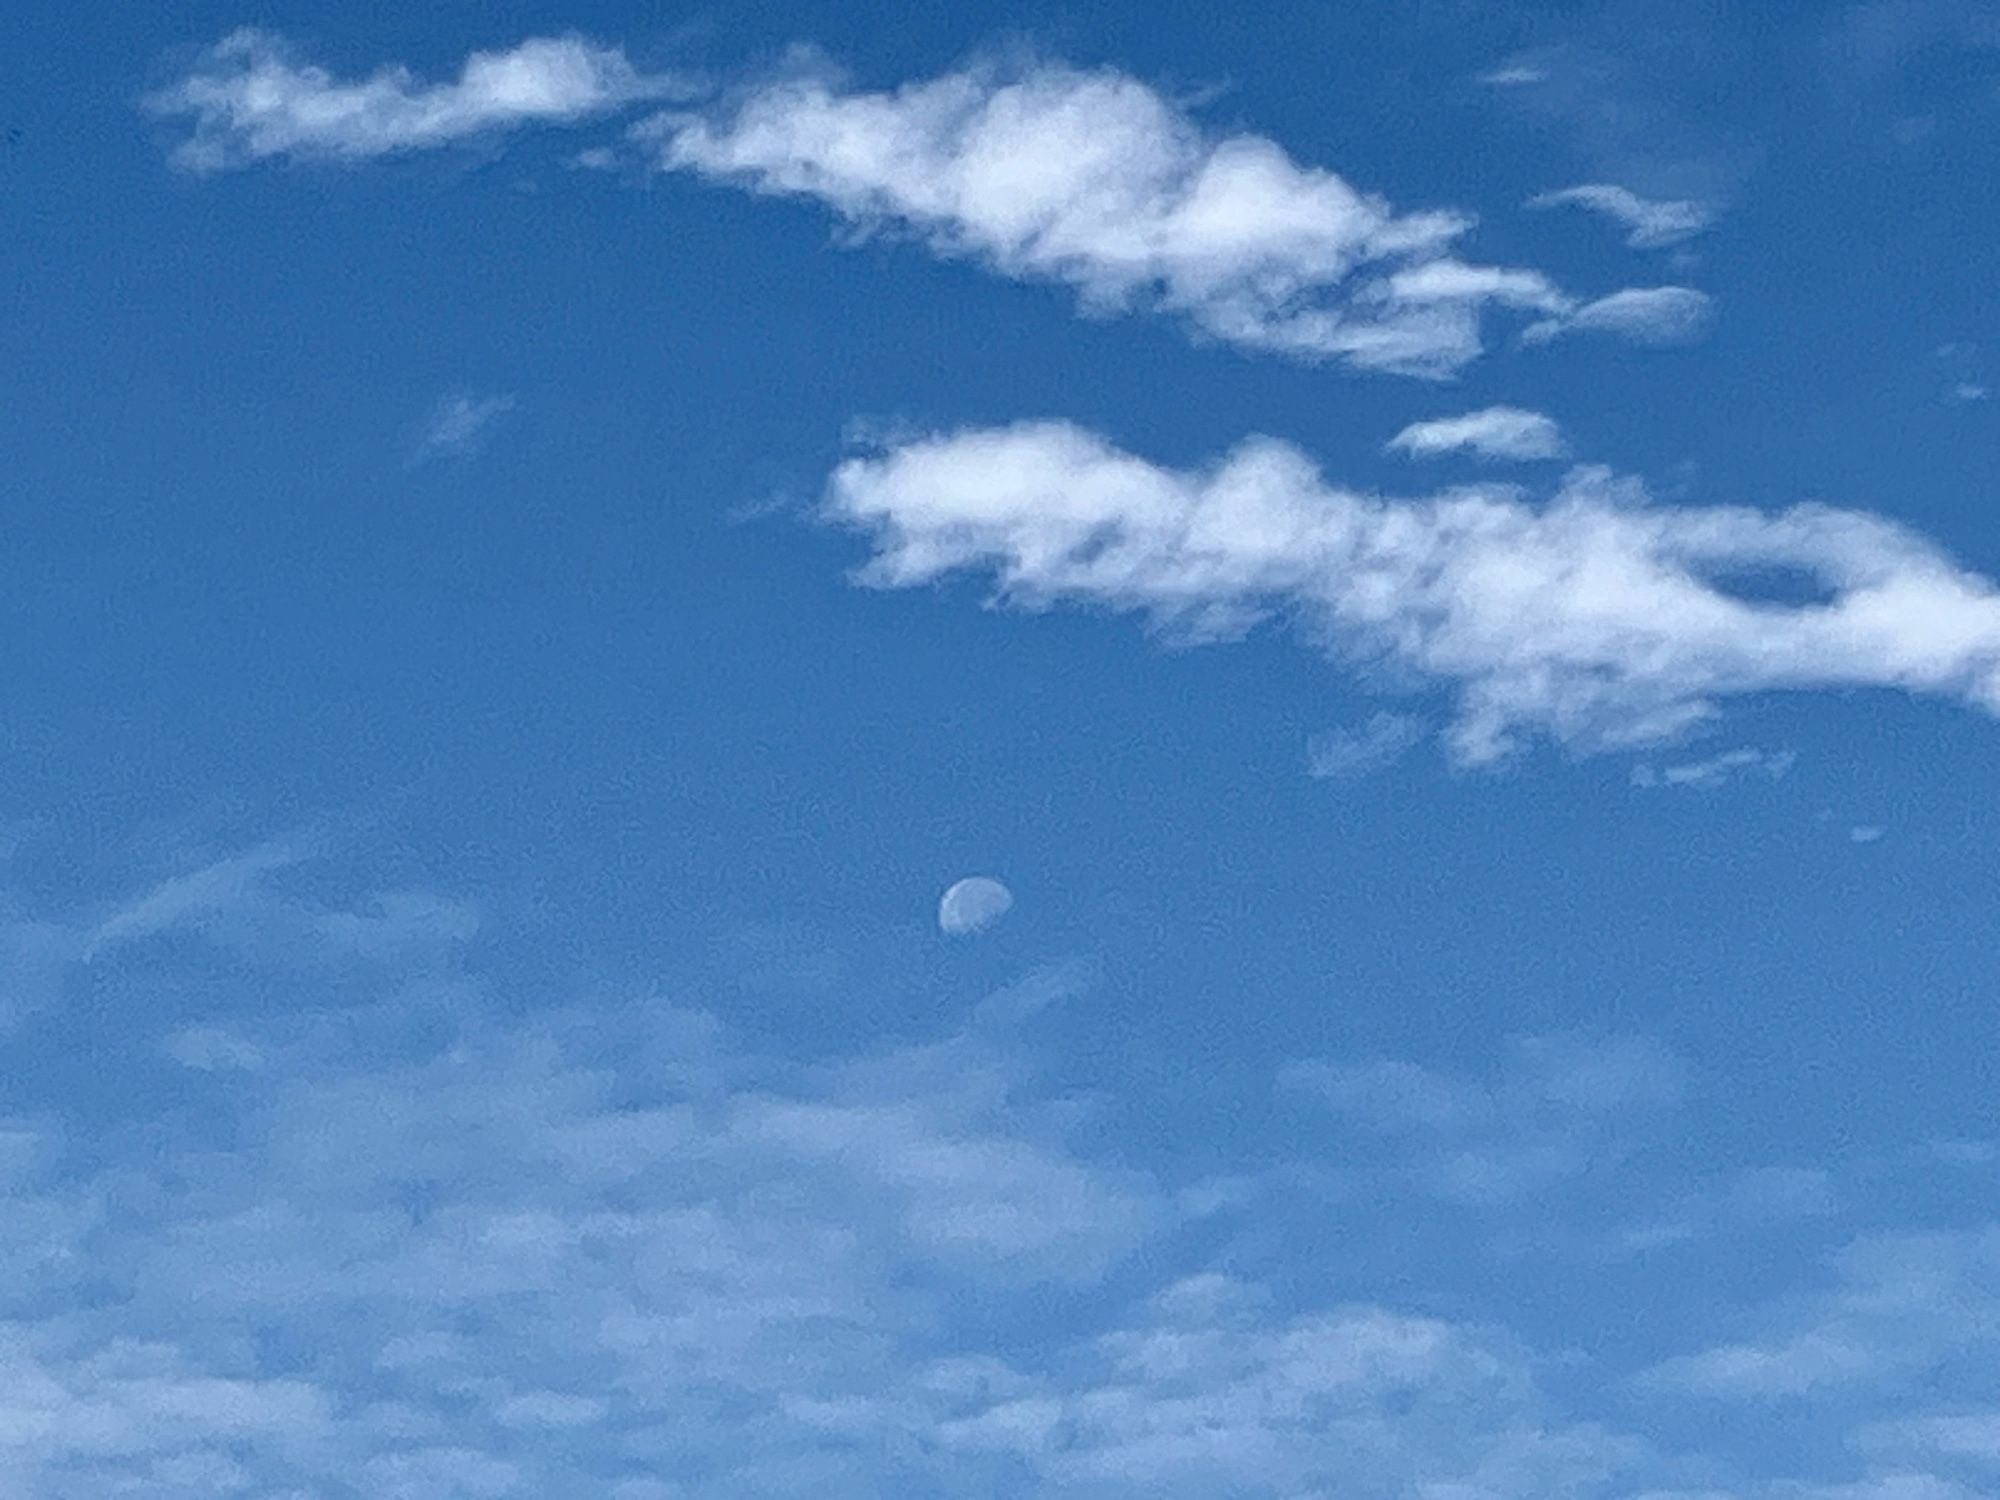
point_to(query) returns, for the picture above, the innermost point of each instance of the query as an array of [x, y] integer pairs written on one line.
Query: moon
[[973, 904]]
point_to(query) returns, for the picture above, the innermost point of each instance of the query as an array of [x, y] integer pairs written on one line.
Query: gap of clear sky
[[1036, 751]]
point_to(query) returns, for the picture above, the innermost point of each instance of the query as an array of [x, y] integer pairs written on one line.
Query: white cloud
[[1716, 770], [1598, 618], [1866, 833], [552, 1254], [1345, 754], [250, 98], [1505, 432], [1094, 180], [1088, 178], [1649, 222], [1658, 316], [1968, 391], [460, 425]]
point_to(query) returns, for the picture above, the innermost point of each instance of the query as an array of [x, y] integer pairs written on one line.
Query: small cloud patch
[[1348, 754], [1499, 432], [460, 427], [1730, 765]]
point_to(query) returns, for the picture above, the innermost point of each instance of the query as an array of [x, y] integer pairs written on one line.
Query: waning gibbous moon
[[972, 904]]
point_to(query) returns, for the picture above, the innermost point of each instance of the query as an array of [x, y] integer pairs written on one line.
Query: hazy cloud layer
[[433, 1243]]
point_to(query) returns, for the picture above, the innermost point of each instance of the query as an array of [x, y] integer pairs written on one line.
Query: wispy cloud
[[1503, 432], [213, 890], [460, 426], [1648, 222], [1659, 317], [1716, 770], [1348, 754], [1898, 1308], [1598, 618], [250, 97], [1514, 76], [237, 903], [1095, 180], [1971, 1434], [1551, 1112]]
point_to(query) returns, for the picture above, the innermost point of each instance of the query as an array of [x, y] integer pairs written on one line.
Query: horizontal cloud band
[[1597, 618], [1095, 180], [251, 98], [1090, 179]]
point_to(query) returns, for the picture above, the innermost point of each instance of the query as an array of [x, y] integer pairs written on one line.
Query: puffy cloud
[[1047, 173], [1093, 179], [1648, 222], [250, 97], [1597, 618], [1495, 432]]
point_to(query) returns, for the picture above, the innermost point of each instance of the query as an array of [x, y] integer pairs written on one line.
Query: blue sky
[[1440, 555]]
